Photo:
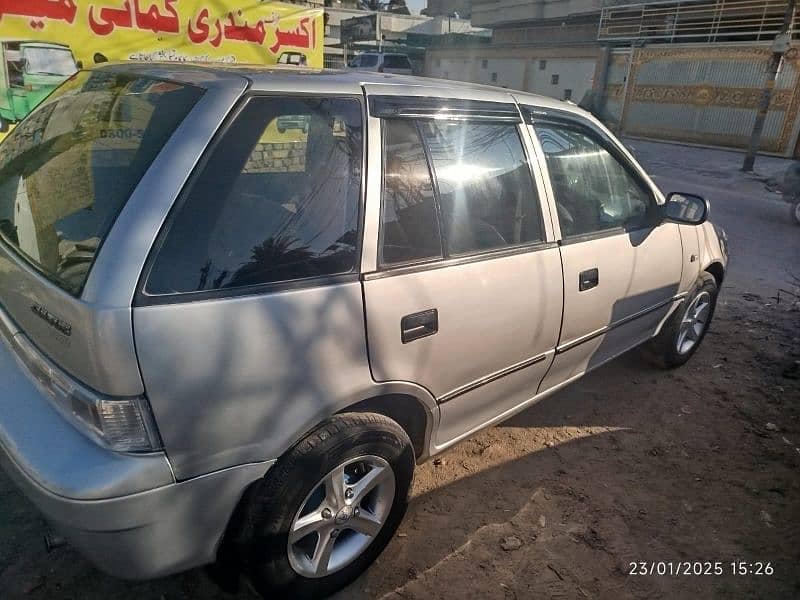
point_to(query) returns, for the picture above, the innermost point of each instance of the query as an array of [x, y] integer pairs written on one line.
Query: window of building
[[494, 77], [542, 65], [486, 192], [484, 64], [593, 190], [277, 200], [567, 94], [554, 79]]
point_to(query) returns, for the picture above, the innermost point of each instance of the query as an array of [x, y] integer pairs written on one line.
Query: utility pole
[[779, 47]]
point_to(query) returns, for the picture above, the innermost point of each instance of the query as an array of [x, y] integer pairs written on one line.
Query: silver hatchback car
[[238, 306]]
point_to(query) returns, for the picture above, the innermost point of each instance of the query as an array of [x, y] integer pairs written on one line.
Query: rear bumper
[[125, 512], [149, 534]]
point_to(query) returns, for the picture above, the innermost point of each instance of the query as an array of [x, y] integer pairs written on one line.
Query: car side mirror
[[686, 208]]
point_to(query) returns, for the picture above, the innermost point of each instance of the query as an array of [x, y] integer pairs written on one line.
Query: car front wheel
[[684, 331]]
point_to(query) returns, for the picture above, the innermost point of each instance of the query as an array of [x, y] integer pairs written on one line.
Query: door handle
[[588, 279], [419, 325]]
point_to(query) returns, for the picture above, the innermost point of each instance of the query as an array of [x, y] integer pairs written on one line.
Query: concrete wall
[[491, 13], [519, 68], [565, 79], [455, 68], [504, 72]]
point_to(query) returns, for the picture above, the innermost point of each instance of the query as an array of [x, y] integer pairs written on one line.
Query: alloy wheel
[[341, 516], [694, 322]]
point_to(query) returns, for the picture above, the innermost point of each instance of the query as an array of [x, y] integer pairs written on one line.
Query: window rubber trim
[[604, 233], [458, 109], [439, 263]]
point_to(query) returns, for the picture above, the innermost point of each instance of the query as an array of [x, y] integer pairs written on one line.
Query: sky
[[416, 5]]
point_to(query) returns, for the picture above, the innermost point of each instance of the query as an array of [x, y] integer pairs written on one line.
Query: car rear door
[[463, 289], [621, 262], [249, 324]]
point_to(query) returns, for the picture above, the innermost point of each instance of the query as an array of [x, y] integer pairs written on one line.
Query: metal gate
[[706, 94]]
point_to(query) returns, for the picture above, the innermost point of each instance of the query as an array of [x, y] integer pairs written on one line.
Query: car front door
[[465, 295], [621, 263]]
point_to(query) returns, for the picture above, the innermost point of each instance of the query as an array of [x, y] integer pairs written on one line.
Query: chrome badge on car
[[59, 324]]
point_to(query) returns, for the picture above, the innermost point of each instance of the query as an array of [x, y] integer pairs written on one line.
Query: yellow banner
[[174, 30]]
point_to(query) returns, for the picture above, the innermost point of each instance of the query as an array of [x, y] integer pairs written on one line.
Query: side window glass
[[488, 199], [593, 190], [276, 201], [410, 230], [393, 61], [368, 60]]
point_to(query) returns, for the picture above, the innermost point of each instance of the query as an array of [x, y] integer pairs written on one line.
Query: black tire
[[663, 349], [4, 126], [271, 504]]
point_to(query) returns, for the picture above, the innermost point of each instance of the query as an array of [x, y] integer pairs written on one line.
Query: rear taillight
[[120, 424]]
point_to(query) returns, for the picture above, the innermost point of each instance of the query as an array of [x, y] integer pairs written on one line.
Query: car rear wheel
[[684, 331], [328, 508]]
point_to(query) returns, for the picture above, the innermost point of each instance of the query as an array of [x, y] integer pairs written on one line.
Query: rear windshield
[[41, 60], [67, 170]]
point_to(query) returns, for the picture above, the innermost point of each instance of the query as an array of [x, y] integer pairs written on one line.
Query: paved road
[[765, 243]]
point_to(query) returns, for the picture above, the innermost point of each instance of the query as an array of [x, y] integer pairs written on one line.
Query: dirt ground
[[631, 464], [677, 466]]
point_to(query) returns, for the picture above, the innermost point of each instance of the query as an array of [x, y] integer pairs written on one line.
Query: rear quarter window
[[277, 200]]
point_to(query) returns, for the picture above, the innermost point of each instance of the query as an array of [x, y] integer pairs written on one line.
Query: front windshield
[[48, 61]]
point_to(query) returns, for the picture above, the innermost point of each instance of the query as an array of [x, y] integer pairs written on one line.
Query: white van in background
[[382, 62]]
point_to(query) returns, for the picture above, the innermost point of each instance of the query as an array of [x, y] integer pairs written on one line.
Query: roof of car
[[330, 81]]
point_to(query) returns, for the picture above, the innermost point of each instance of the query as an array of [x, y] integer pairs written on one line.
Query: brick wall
[[288, 157]]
